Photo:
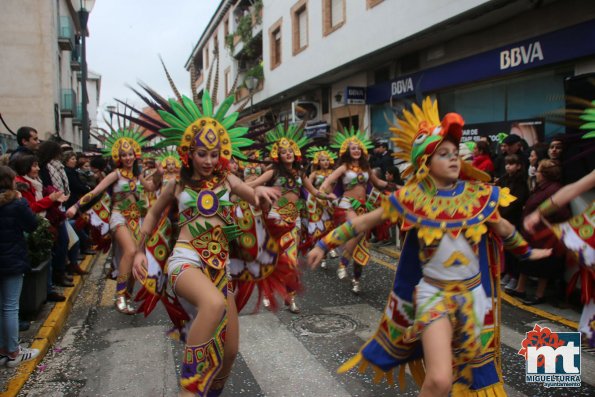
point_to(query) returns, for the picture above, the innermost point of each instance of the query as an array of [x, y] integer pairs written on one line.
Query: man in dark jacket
[[28, 142], [383, 158]]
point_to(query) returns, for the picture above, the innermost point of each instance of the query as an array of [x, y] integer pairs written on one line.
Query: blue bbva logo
[[552, 358]]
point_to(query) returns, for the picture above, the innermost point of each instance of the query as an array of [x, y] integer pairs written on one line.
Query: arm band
[[337, 237], [86, 199], [548, 207], [517, 245]]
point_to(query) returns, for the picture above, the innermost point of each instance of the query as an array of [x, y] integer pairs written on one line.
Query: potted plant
[[39, 244]]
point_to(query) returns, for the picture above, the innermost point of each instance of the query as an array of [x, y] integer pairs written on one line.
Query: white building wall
[[365, 30]]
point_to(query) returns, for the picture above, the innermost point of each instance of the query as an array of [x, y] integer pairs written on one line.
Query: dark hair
[[483, 147], [7, 175], [362, 162], [24, 133], [513, 159], [48, 151], [99, 163], [558, 138], [550, 170], [67, 156], [394, 171], [540, 150], [23, 164]]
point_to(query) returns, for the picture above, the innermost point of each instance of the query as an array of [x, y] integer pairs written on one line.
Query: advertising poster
[[531, 130]]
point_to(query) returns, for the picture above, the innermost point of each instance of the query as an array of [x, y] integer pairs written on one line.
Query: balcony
[[75, 58], [68, 103], [77, 119], [65, 34]]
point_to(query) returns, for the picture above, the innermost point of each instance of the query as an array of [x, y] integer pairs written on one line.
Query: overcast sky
[[126, 38]]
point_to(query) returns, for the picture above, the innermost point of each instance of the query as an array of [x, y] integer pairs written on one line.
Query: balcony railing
[[75, 58], [77, 118], [65, 33], [67, 102]]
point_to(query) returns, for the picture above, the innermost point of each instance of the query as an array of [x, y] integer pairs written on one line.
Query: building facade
[[40, 70], [502, 64]]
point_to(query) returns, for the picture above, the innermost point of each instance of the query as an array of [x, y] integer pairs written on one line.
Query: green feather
[[172, 120], [587, 126], [207, 104], [181, 112], [192, 108], [230, 120], [224, 108]]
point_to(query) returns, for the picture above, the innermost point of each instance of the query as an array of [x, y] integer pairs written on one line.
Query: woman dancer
[[320, 215], [577, 235], [354, 173], [283, 219], [170, 162], [122, 187], [443, 294], [197, 267]]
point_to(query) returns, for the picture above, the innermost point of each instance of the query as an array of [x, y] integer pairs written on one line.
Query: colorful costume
[[121, 207], [449, 266], [277, 240], [352, 177], [189, 127], [320, 215]]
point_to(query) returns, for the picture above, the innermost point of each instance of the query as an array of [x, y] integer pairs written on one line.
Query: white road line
[[285, 364]]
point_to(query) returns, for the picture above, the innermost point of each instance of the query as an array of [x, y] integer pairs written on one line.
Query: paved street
[[103, 353]]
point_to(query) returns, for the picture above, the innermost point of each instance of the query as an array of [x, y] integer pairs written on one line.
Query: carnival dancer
[[121, 207], [445, 293], [352, 177], [251, 169], [197, 268], [164, 235], [283, 219], [578, 235], [320, 214], [169, 160]]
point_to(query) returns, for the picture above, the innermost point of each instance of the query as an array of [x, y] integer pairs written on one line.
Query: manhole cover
[[324, 325]]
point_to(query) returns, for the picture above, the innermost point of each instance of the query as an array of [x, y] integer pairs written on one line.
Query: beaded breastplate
[[353, 177]]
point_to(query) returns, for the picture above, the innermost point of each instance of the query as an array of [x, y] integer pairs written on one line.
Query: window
[[228, 81], [372, 3], [226, 28], [299, 21], [275, 43], [333, 15]]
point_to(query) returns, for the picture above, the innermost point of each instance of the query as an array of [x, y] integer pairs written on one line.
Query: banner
[[531, 130]]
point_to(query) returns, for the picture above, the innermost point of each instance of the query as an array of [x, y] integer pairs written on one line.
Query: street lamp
[[251, 83], [83, 9]]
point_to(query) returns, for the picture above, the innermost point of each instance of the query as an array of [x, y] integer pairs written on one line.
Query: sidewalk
[[43, 332], [565, 316]]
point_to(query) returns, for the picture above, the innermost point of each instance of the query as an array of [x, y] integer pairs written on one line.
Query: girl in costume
[[445, 288], [320, 215], [120, 206], [197, 268], [252, 170], [169, 160], [283, 219], [354, 173], [578, 235]]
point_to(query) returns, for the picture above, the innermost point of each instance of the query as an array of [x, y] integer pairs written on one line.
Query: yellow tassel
[[390, 378], [352, 362], [378, 375], [402, 377], [363, 367]]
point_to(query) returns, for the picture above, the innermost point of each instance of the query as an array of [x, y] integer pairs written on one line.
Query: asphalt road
[[104, 353]]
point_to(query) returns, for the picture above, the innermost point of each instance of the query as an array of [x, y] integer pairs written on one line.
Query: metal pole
[[84, 17]]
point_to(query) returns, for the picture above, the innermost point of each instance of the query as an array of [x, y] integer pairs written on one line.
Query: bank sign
[[551, 48]]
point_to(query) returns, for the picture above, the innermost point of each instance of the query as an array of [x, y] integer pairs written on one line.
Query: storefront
[[516, 83]]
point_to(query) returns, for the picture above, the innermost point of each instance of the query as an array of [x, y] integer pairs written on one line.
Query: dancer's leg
[[436, 340], [127, 248], [195, 287]]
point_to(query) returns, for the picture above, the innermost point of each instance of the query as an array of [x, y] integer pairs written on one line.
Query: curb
[[48, 332]]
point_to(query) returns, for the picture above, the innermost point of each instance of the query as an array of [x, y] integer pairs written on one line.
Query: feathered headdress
[[342, 140], [290, 137], [421, 131], [315, 152], [123, 139], [169, 154]]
